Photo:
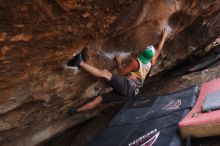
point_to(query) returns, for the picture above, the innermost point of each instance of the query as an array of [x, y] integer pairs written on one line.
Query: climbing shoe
[[72, 111], [75, 62]]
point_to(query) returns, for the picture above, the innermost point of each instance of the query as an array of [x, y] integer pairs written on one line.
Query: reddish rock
[[38, 37]]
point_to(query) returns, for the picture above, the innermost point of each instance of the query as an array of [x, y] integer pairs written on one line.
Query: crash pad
[[211, 102], [148, 121], [144, 108], [202, 124]]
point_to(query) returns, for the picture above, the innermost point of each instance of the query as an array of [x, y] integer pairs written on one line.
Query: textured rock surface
[[37, 37]]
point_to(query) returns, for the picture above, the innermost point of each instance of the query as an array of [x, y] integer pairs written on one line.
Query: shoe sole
[[71, 67]]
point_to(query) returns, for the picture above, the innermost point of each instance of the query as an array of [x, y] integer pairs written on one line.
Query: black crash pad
[[148, 121], [135, 112]]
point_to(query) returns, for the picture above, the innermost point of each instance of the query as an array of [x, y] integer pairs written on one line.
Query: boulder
[[38, 37]]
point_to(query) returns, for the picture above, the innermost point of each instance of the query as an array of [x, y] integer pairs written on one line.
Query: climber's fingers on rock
[[166, 31]]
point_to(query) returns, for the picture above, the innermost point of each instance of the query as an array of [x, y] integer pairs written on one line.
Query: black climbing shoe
[[76, 60], [72, 111]]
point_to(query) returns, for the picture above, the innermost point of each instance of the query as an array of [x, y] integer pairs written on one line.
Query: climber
[[128, 80]]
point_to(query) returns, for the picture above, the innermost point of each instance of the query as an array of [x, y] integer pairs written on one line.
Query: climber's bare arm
[[132, 66], [165, 33]]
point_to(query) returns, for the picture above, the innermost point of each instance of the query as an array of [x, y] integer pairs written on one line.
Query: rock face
[[37, 38], [191, 22]]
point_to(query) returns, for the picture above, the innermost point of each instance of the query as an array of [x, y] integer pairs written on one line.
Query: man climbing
[[128, 80]]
